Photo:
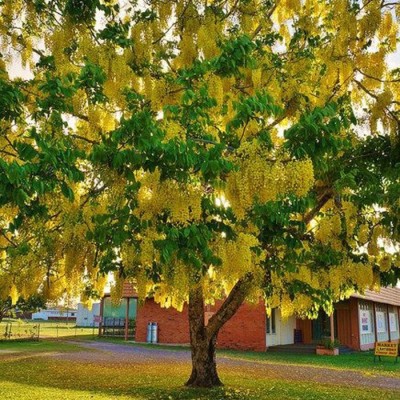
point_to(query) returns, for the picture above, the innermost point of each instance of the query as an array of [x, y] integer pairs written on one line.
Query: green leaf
[[67, 191]]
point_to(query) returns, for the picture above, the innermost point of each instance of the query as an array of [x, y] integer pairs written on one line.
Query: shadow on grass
[[67, 376], [157, 380], [106, 381]]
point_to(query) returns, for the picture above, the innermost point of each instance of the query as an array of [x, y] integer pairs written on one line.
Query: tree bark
[[204, 366], [203, 338]]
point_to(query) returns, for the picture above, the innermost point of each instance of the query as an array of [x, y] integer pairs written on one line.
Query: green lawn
[[43, 346], [361, 361], [47, 329], [29, 373]]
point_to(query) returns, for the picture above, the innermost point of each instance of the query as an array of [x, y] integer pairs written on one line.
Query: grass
[[10, 347], [358, 361], [48, 329], [38, 376]]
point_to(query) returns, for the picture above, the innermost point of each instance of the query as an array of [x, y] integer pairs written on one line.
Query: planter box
[[322, 351]]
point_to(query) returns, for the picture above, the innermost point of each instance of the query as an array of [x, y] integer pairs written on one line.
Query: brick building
[[245, 330], [358, 323]]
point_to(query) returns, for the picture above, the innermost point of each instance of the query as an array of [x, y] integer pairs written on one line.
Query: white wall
[[284, 330], [55, 313], [287, 330], [85, 317]]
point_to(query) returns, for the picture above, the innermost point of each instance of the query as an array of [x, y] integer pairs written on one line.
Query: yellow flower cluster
[[372, 19], [164, 10], [59, 40], [385, 262], [350, 212], [259, 177], [340, 279], [293, 5], [299, 177], [237, 257], [154, 197], [148, 253], [208, 34], [169, 296], [173, 130], [116, 289], [328, 230], [188, 52], [378, 111], [351, 273], [216, 89], [363, 234], [373, 248]]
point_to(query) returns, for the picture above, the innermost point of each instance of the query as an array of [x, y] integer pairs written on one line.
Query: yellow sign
[[386, 349]]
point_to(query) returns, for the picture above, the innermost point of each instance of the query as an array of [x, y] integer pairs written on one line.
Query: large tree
[[226, 149]]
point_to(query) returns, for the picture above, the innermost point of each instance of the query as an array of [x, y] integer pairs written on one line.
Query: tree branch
[[375, 78], [321, 202], [231, 304], [374, 96], [74, 135]]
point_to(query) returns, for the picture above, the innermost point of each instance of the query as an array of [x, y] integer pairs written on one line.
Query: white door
[[272, 331]]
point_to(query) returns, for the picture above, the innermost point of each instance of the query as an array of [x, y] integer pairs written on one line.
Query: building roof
[[387, 295], [128, 290]]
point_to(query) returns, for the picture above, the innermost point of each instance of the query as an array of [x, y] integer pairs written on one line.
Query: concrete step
[[345, 350], [293, 349], [302, 349]]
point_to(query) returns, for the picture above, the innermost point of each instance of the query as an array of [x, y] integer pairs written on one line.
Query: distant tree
[[31, 304], [227, 149], [5, 308]]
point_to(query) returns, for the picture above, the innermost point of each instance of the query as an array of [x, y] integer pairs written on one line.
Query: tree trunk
[[203, 338], [204, 366]]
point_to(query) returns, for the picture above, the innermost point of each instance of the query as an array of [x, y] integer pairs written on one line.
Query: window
[[366, 322], [392, 322], [271, 323], [381, 322], [381, 318]]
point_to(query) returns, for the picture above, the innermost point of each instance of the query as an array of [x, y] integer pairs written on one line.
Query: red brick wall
[[245, 330], [173, 326]]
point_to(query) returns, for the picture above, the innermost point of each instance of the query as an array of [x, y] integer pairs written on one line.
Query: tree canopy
[[201, 149]]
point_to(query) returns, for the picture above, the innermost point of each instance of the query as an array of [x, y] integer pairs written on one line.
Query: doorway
[[321, 326]]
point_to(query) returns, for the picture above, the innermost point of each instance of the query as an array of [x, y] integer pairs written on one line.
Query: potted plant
[[328, 347]]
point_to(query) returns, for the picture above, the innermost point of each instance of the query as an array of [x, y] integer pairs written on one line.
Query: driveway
[[106, 352]]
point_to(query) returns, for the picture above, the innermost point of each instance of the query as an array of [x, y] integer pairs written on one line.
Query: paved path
[[98, 352]]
